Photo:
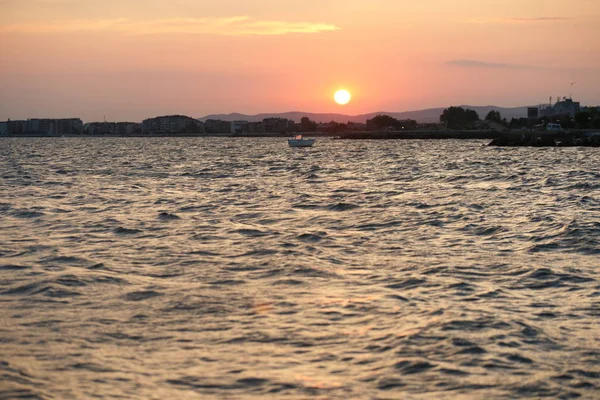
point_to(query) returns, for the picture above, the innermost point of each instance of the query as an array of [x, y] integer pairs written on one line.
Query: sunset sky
[[134, 59]]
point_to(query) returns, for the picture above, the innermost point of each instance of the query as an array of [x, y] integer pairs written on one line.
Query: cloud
[[228, 26], [519, 20], [538, 19], [463, 63], [484, 64]]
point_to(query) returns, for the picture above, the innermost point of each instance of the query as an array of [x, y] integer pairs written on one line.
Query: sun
[[342, 97]]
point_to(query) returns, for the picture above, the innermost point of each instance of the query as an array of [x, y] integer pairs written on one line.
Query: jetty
[[548, 139], [419, 134]]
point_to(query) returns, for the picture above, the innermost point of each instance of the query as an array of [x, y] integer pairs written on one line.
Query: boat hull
[[301, 142]]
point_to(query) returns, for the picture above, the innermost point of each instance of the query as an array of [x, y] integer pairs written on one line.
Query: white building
[[238, 126], [560, 108]]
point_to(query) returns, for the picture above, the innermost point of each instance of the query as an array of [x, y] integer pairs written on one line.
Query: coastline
[[347, 135], [589, 137]]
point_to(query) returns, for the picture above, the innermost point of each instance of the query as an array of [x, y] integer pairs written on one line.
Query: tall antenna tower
[[571, 94]]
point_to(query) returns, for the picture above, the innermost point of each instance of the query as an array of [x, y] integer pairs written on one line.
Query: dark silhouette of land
[[429, 115], [563, 124]]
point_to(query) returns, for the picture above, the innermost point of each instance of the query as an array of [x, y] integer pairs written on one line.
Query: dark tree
[[518, 123], [493, 115], [583, 119], [385, 121], [458, 117], [335, 127], [306, 125]]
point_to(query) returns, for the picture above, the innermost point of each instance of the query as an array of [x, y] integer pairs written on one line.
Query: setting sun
[[342, 97]]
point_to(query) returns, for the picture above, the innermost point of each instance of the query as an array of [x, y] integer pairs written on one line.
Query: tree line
[[456, 118], [461, 118]]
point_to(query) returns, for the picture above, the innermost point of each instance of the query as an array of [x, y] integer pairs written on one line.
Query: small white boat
[[299, 141]]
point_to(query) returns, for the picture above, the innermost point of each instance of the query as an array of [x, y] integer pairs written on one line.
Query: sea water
[[187, 268]]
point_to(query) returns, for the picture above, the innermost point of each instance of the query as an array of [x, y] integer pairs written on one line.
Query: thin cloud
[[488, 65], [228, 26], [538, 19], [465, 63], [520, 20]]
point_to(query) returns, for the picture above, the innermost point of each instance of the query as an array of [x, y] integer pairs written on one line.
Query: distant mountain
[[423, 116]]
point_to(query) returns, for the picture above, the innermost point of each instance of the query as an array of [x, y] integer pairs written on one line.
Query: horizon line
[[371, 112], [291, 112]]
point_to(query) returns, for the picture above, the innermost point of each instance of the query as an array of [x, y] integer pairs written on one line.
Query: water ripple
[[241, 268]]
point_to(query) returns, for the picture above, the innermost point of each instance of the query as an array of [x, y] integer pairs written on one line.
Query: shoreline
[[348, 135], [588, 137]]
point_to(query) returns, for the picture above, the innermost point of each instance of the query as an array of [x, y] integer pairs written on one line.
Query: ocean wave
[[215, 267]]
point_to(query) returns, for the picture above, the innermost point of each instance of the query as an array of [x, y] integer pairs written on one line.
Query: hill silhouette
[[424, 116]]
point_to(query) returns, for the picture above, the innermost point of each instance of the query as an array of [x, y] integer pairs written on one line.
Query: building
[[16, 127], [533, 112], [254, 127], [217, 126], [100, 128], [278, 125], [44, 127], [567, 107], [40, 126], [57, 127], [238, 127], [564, 107], [128, 128], [69, 126], [3, 128], [112, 128], [171, 124]]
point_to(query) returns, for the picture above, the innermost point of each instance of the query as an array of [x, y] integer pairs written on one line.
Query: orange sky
[[134, 59]]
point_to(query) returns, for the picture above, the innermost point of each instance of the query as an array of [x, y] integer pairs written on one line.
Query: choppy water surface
[[162, 268]]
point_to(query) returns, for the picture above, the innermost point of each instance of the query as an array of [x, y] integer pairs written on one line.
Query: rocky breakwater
[[548, 139], [427, 135]]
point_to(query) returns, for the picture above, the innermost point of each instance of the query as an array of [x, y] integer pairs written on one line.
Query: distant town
[[563, 114]]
